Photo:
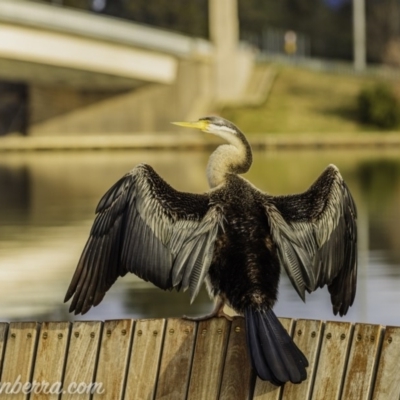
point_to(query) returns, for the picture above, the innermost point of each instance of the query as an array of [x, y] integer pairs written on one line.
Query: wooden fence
[[178, 359]]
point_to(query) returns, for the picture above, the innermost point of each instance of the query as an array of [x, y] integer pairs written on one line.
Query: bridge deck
[[41, 43], [178, 359]]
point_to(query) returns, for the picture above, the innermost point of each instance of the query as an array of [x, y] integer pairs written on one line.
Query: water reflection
[[46, 210], [379, 182], [14, 186]]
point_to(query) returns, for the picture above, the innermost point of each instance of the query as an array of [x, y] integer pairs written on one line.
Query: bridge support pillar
[[232, 64]]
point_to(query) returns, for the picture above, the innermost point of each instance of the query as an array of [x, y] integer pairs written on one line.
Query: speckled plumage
[[235, 237], [245, 268]]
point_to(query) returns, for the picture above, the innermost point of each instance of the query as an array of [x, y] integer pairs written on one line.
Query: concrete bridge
[[78, 72]]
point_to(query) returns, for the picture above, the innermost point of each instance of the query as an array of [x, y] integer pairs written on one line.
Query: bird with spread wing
[[234, 237]]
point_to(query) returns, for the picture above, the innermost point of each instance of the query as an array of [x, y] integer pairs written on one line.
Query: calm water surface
[[47, 202]]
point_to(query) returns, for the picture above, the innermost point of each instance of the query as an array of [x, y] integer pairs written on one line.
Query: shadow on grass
[[347, 113]]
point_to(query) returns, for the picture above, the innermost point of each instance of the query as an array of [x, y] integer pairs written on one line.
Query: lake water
[[47, 203]]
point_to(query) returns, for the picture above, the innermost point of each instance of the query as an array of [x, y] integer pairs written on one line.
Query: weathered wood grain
[[19, 359], [176, 359], [82, 359], [179, 359], [266, 390], [332, 360], [237, 376], [113, 358], [145, 358], [307, 335], [3, 340], [387, 383], [50, 360], [208, 359], [362, 362]]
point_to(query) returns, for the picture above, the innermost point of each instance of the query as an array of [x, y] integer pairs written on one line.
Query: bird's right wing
[[145, 226], [316, 237]]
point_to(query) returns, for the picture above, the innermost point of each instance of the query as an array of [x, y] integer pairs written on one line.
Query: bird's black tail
[[274, 355]]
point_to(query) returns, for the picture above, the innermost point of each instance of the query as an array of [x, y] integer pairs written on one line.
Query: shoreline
[[198, 141]]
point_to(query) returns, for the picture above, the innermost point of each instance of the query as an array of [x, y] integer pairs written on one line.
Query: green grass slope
[[305, 101]]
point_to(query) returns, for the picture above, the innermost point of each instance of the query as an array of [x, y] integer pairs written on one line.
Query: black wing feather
[[316, 236], [146, 227]]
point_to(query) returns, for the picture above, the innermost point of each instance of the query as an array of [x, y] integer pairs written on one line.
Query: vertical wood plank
[[332, 360], [50, 359], [362, 362], [19, 357], [176, 359], [307, 335], [387, 382], [144, 362], [3, 340], [208, 359], [113, 358], [265, 390], [82, 358], [237, 375]]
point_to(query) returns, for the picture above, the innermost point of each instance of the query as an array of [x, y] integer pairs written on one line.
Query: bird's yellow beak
[[202, 125]]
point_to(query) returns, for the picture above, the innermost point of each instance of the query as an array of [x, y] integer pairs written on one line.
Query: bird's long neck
[[232, 158]]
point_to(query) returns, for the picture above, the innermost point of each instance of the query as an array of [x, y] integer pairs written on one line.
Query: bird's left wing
[[146, 227], [316, 237]]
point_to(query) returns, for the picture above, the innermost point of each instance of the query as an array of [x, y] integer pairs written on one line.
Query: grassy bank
[[305, 101]]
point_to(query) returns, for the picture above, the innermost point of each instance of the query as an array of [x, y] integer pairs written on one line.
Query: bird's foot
[[208, 316], [218, 311]]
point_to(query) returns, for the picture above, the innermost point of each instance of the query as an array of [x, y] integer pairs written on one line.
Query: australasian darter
[[234, 237]]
